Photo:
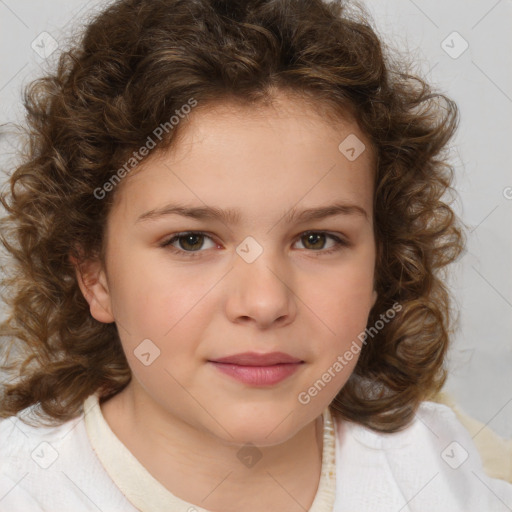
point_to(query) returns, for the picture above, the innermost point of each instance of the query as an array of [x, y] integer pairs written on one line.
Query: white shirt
[[81, 466]]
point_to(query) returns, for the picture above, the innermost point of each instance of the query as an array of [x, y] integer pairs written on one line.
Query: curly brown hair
[[139, 61]]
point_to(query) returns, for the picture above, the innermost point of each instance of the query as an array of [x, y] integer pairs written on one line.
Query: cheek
[[342, 306], [162, 318], [344, 299], [152, 297]]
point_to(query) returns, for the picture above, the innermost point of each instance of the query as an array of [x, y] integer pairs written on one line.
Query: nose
[[261, 292]]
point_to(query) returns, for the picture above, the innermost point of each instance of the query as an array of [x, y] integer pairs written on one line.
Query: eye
[[316, 241], [189, 242]]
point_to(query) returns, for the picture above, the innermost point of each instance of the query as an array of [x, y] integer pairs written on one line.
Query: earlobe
[[374, 297], [92, 280]]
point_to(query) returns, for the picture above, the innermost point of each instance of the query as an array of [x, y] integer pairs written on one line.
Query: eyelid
[[340, 242], [175, 236]]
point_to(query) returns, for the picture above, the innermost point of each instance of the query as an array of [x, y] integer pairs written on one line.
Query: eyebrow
[[233, 215]]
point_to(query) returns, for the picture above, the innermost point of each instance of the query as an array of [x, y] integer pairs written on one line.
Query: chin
[[258, 430]]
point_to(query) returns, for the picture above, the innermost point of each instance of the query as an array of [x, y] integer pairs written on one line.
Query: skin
[[180, 416]]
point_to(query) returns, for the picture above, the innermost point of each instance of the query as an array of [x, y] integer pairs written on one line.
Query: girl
[[226, 289]]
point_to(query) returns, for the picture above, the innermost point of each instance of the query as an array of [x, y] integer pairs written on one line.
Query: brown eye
[[191, 242], [314, 240]]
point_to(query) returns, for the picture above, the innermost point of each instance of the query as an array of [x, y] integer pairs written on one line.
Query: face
[[189, 287]]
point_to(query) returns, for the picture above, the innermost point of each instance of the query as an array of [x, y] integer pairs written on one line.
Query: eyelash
[[339, 243]]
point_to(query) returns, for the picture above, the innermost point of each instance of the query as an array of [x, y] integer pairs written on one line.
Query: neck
[[202, 469]]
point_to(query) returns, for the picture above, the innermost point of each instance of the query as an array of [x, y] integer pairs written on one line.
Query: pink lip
[[258, 369], [255, 359], [258, 375]]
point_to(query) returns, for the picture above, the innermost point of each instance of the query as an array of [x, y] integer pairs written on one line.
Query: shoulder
[[10, 439], [26, 451], [19, 439], [52, 468], [433, 423], [433, 460]]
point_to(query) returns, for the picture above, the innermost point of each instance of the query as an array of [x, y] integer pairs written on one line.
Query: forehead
[[283, 117], [278, 151]]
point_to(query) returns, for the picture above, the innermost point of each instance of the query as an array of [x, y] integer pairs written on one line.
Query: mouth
[[255, 359], [258, 369]]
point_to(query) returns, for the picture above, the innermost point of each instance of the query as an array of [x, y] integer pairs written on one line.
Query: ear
[[92, 280], [374, 297]]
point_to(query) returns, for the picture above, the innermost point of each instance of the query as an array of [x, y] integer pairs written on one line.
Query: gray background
[[479, 79]]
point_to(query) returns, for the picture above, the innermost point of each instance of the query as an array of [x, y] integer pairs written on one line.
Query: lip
[[258, 375], [258, 369], [255, 359]]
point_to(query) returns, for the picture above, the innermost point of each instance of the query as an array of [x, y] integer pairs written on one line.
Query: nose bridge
[[260, 288]]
